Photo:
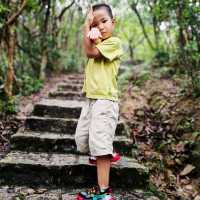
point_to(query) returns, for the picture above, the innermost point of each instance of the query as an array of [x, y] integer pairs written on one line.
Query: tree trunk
[[11, 40], [43, 64], [181, 37], [156, 32], [44, 58], [131, 50], [134, 8]]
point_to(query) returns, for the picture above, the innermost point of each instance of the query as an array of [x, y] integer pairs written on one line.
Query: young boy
[[99, 116]]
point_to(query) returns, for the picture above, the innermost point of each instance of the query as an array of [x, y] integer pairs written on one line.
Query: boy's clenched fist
[[95, 35]]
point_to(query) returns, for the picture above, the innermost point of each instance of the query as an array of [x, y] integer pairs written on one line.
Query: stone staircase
[[43, 152]]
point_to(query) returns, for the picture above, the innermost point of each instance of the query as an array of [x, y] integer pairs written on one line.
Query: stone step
[[67, 95], [72, 87], [58, 108], [73, 81], [62, 143], [75, 76], [63, 193], [61, 125], [33, 168]]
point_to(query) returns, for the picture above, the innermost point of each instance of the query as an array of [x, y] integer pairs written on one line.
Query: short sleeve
[[110, 48]]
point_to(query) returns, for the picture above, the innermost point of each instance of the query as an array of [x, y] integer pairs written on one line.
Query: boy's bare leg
[[103, 171]]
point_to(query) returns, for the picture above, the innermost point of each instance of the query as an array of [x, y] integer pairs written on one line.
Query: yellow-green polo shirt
[[101, 74]]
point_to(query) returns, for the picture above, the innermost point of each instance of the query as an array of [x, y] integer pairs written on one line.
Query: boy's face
[[103, 22]]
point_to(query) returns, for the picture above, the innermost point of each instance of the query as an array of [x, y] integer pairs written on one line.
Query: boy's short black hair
[[103, 5]]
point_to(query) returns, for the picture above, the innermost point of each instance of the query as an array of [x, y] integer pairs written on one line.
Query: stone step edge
[[69, 92], [56, 136], [63, 119], [120, 123], [60, 103], [61, 160], [72, 84]]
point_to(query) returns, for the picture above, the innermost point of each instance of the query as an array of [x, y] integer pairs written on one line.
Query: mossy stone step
[[62, 143], [67, 95], [61, 125], [58, 108], [19, 167]]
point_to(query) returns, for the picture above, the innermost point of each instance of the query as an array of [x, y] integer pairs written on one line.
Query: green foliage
[[152, 188], [70, 61], [192, 60], [166, 72], [196, 134], [29, 84], [32, 5], [186, 125], [161, 58], [7, 106], [3, 8], [3, 66], [132, 36], [20, 196], [123, 78], [142, 78]]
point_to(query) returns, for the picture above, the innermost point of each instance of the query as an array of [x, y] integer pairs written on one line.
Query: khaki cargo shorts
[[96, 127]]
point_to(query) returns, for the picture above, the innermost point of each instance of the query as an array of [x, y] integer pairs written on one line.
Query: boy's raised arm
[[89, 47]]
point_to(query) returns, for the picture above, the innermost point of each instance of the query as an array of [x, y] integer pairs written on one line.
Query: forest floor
[[164, 121], [147, 108]]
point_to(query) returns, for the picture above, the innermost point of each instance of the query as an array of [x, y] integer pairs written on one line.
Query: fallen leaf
[[197, 197], [188, 168]]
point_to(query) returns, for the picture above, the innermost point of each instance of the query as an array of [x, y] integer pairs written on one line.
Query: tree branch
[[65, 9], [134, 8], [15, 15]]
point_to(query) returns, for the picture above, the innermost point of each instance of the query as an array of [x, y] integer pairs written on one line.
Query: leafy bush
[[123, 78], [160, 58], [142, 78], [29, 85], [70, 61], [7, 106]]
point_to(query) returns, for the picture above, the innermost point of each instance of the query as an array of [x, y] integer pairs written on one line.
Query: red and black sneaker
[[115, 157]]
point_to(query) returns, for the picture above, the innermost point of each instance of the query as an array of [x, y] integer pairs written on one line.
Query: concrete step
[[58, 108], [71, 87], [61, 125], [67, 95], [62, 143], [33, 168]]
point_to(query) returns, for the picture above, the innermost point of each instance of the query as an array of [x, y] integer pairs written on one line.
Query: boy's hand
[[95, 35], [90, 17]]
